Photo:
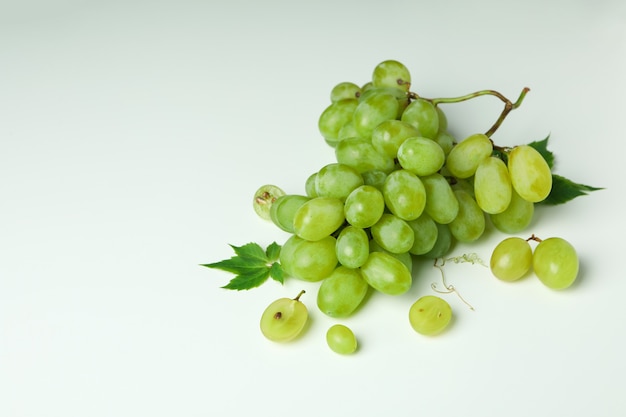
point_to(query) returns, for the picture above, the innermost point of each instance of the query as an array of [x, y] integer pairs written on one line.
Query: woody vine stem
[[508, 104]]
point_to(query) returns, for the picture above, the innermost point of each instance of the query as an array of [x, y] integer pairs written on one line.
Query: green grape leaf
[[541, 146], [250, 280], [272, 251], [276, 272], [252, 266], [250, 251], [564, 190]]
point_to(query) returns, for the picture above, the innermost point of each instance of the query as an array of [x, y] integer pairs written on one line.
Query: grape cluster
[[403, 188]]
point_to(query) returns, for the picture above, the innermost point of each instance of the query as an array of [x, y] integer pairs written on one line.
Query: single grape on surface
[[511, 259], [430, 315], [284, 319], [555, 262], [341, 339]]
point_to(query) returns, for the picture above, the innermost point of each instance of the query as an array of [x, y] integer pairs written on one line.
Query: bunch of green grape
[[402, 188]]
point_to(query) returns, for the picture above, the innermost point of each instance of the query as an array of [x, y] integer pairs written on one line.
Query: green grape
[[390, 134], [341, 339], [374, 110], [374, 178], [391, 73], [393, 234], [511, 259], [264, 198], [364, 206], [318, 218], [464, 158], [386, 274], [555, 262], [284, 319], [441, 203], [469, 223], [309, 186], [446, 141], [530, 173], [404, 257], [344, 90], [401, 97], [405, 195], [443, 244], [421, 156], [342, 292], [284, 209], [492, 185], [352, 247], [425, 231], [517, 216], [309, 260], [360, 154], [430, 315], [337, 180], [422, 115], [334, 117]]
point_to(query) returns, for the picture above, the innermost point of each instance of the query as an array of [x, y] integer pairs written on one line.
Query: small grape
[[284, 319], [430, 315], [555, 262], [341, 339], [264, 197], [344, 90], [511, 259]]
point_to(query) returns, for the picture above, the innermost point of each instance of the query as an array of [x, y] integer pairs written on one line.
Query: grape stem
[[533, 237], [299, 295], [508, 104]]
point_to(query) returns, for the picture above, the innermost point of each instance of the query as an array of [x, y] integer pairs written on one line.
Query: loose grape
[[342, 292], [284, 319], [555, 262], [264, 197], [530, 173], [511, 259], [430, 315], [341, 339]]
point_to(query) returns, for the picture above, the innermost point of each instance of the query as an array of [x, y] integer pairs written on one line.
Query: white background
[[133, 134]]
